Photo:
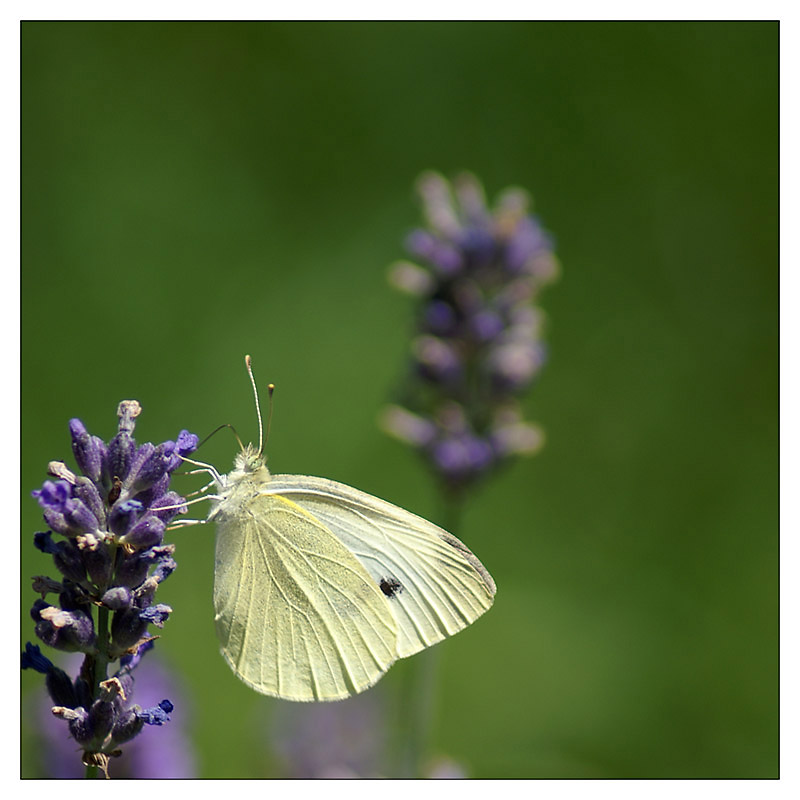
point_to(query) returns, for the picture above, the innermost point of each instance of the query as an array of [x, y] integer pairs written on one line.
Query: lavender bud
[[87, 493], [439, 318], [97, 559], [144, 594], [89, 451], [131, 568], [64, 513], [472, 200], [185, 444], [437, 360], [60, 688], [79, 726], [410, 278], [127, 628], [79, 517], [443, 257], [128, 725], [148, 531], [43, 540], [149, 466], [101, 719], [65, 554], [72, 597], [57, 522], [526, 242], [117, 598], [486, 325], [122, 448], [69, 562], [173, 505], [438, 204], [63, 630], [407, 427], [517, 438], [119, 456], [124, 515], [478, 246], [153, 495], [83, 692], [513, 364], [459, 457]]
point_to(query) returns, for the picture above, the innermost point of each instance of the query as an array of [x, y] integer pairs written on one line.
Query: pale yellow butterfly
[[319, 588]]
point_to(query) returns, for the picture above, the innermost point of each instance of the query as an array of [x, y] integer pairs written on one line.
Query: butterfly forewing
[[432, 583], [297, 614]]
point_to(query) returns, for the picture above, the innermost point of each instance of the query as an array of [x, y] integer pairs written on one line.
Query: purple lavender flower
[[477, 347], [111, 556], [166, 755]]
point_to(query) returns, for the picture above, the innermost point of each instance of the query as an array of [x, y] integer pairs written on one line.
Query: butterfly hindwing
[[434, 585]]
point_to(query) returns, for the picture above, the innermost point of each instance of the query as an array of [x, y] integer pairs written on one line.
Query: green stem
[[451, 510], [418, 700], [100, 667], [101, 659]]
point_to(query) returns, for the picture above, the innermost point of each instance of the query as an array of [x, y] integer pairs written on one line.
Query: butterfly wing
[[435, 586], [297, 615]]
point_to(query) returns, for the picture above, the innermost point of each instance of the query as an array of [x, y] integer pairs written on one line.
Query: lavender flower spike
[[111, 521], [477, 345]]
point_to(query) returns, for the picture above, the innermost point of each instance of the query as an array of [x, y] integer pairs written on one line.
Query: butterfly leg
[[205, 488], [207, 468], [184, 523]]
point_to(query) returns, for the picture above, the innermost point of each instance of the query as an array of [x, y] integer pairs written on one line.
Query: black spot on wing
[[391, 586]]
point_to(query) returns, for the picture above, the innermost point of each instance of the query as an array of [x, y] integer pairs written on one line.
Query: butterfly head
[[249, 460], [249, 467]]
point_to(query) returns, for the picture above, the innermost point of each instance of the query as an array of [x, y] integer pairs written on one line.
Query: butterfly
[[319, 587]]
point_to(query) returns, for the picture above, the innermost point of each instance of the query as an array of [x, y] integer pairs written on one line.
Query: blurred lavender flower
[[348, 739], [478, 344], [331, 740], [111, 522], [445, 768]]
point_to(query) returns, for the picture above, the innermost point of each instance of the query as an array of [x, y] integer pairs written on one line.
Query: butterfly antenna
[[217, 430], [271, 390], [258, 407]]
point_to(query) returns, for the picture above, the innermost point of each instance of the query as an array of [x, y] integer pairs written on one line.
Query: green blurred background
[[192, 192]]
